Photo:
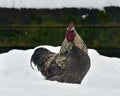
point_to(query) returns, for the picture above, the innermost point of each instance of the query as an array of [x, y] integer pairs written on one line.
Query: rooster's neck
[[67, 46]]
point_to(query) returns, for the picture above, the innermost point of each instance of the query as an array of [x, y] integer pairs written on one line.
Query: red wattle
[[70, 37]]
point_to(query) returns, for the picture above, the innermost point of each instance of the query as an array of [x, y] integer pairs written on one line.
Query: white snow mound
[[18, 79]]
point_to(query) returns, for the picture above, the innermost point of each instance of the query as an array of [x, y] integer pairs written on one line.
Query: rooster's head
[[70, 33]]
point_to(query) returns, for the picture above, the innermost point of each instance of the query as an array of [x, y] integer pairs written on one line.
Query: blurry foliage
[[53, 36], [103, 18], [95, 38]]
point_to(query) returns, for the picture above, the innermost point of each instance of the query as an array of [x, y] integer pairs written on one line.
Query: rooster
[[69, 65]]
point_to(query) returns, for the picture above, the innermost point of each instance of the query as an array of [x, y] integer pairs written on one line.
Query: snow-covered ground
[[18, 79], [58, 3]]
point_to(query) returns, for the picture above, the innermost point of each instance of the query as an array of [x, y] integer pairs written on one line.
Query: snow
[[84, 16], [18, 79], [58, 3]]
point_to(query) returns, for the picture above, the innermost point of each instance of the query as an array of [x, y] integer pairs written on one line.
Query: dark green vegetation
[[31, 37]]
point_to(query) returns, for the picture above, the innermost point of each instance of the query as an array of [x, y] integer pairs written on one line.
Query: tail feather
[[39, 57]]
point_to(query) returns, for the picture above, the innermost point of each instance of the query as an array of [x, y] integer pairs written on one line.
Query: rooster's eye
[[72, 31]]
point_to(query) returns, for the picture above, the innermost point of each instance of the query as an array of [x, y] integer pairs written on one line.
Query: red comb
[[71, 25]]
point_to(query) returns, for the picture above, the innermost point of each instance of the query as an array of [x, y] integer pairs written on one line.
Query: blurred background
[[28, 28]]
